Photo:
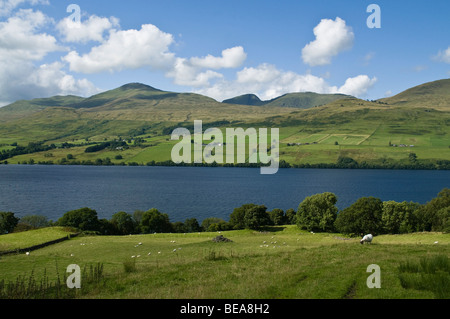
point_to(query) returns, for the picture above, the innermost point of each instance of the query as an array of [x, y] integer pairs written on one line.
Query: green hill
[[246, 99], [368, 132], [302, 100], [434, 94]]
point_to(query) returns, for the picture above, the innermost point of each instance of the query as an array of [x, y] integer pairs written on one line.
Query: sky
[[222, 49]]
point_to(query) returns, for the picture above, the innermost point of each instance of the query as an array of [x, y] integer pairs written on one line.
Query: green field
[[371, 132], [281, 262]]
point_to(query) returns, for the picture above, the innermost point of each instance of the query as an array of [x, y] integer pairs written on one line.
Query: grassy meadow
[[280, 262]]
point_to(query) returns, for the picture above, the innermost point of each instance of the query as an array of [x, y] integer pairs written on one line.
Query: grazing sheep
[[368, 239]]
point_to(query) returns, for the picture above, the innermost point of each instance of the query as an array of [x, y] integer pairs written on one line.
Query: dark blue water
[[200, 192]]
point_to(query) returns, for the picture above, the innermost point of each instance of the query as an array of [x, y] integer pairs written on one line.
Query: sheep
[[367, 238]]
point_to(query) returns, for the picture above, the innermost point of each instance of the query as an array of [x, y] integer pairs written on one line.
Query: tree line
[[316, 213]]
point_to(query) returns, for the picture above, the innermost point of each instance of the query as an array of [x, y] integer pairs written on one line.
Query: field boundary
[[36, 247]]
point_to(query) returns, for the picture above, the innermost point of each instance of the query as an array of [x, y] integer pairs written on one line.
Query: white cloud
[[22, 46], [91, 29], [332, 37], [7, 6], [231, 58], [20, 40], [190, 72], [443, 56], [357, 86], [51, 78], [186, 74], [128, 49], [268, 82], [26, 81]]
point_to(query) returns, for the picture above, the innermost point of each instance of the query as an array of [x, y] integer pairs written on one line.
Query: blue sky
[[221, 48]]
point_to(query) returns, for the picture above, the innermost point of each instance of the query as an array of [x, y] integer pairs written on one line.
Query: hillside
[[246, 99], [302, 100], [369, 132], [434, 94]]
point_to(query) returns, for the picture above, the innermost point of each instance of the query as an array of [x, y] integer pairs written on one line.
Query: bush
[[277, 217], [154, 221], [35, 221], [7, 222], [362, 217], [212, 224], [434, 216], [250, 216], [84, 219], [317, 213], [123, 223], [399, 218]]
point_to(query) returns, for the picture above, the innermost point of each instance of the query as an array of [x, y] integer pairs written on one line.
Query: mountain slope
[[434, 94], [301, 100], [246, 99]]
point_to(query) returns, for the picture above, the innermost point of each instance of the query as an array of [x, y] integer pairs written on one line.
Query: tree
[[137, 216], [192, 225], [123, 223], [362, 217], [249, 216], [291, 216], [317, 212], [153, 221], [83, 219], [179, 227], [399, 218], [35, 221], [7, 222], [256, 217], [237, 216], [211, 224], [277, 217], [432, 216], [412, 158]]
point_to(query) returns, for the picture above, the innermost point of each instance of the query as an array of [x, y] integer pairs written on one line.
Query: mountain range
[[340, 124]]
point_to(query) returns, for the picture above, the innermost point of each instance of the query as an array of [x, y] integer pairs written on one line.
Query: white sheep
[[367, 238]]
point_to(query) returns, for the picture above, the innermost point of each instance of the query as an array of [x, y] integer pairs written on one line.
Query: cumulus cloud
[[196, 72], [332, 37], [185, 73], [91, 29], [231, 58], [126, 49], [22, 48], [26, 81], [268, 82], [7, 6], [443, 56], [21, 40], [357, 86], [271, 82]]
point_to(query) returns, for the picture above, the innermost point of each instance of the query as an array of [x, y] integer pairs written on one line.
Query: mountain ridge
[[417, 95]]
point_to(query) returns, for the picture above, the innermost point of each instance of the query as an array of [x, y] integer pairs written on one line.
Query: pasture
[[276, 263]]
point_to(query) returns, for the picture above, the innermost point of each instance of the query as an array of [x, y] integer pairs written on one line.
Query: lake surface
[[200, 192]]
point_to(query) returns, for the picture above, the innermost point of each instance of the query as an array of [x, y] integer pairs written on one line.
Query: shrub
[[399, 218], [249, 216], [84, 219], [154, 221], [362, 217], [317, 212], [7, 222]]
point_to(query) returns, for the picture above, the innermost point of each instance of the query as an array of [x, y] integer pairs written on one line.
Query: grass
[[32, 238], [279, 263]]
